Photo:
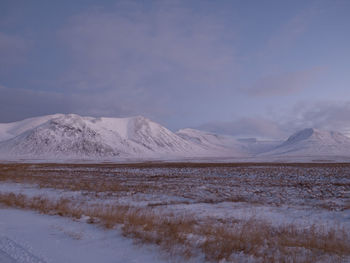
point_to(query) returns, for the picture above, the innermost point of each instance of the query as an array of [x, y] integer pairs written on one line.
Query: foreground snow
[[29, 237]]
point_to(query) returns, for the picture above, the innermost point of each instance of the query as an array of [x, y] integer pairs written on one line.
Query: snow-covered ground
[[305, 196], [29, 237]]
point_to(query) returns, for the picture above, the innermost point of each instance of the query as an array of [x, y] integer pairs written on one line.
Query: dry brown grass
[[253, 237], [62, 207], [216, 240]]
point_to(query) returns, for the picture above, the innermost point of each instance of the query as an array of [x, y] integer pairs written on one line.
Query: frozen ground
[[302, 195], [28, 237]]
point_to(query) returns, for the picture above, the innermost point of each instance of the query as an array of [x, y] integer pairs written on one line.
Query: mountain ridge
[[61, 136], [313, 142]]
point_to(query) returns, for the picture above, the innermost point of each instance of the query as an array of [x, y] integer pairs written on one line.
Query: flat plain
[[214, 212]]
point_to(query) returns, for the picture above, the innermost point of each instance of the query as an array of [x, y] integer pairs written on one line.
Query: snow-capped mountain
[[64, 136], [68, 136], [313, 142]]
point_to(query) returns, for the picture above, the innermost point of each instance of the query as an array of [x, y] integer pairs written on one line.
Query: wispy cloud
[[326, 115], [246, 127], [329, 115], [284, 83], [165, 50]]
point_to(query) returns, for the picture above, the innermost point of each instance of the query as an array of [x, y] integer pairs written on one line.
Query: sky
[[245, 68]]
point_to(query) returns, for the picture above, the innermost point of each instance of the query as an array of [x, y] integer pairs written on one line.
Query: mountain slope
[[223, 145], [13, 129], [227, 145], [313, 142], [65, 136], [71, 136]]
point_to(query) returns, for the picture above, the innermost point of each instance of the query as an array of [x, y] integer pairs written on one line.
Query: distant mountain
[[313, 142], [63, 136], [71, 136], [224, 145]]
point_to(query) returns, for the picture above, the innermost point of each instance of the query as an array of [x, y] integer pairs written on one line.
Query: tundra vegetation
[[192, 209]]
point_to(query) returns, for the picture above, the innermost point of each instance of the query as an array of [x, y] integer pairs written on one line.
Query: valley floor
[[161, 212]]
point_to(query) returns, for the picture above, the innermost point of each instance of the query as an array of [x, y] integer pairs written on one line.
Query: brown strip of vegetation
[[319, 185], [175, 165]]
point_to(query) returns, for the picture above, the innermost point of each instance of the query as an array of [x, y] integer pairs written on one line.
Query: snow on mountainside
[[206, 138], [10, 130], [71, 135], [224, 145], [227, 145], [313, 142]]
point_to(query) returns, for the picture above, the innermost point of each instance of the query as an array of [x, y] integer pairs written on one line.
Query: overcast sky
[[245, 68]]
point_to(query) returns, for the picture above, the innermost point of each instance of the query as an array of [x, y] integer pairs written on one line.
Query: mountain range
[[70, 136]]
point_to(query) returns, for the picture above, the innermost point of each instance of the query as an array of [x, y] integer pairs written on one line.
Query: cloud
[[17, 104], [164, 51], [246, 127], [328, 115], [13, 50], [325, 115], [285, 83]]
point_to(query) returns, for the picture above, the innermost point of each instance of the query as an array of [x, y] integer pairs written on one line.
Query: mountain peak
[[314, 142]]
